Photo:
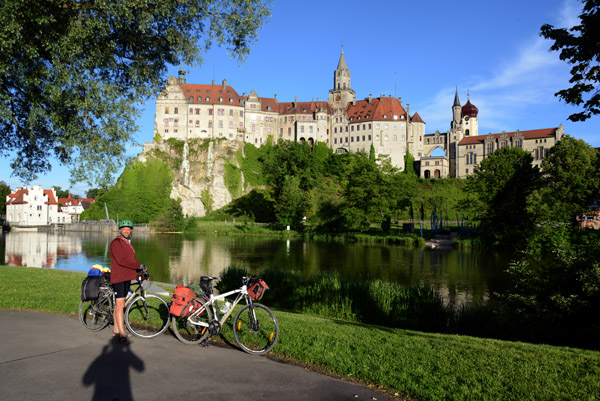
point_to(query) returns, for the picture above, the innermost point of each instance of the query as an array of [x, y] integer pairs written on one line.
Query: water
[[461, 276]]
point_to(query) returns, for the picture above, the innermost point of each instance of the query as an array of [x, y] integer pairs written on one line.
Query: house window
[[210, 112], [176, 110], [230, 124], [210, 123], [166, 110], [197, 111], [230, 112], [241, 113], [490, 147], [220, 112], [220, 123]]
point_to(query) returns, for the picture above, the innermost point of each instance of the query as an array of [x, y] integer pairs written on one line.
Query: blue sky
[[419, 51]]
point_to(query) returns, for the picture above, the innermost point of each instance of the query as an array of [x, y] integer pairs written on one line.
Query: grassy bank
[[413, 364]]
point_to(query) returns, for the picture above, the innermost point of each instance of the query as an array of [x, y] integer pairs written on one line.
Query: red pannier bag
[[183, 302], [257, 290]]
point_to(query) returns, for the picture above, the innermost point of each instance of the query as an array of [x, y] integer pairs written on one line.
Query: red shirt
[[123, 263]]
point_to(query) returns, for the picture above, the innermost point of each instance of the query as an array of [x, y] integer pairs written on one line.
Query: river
[[460, 276]]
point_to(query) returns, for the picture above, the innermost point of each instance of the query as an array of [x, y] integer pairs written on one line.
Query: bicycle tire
[[189, 333], [255, 336], [147, 317], [96, 314]]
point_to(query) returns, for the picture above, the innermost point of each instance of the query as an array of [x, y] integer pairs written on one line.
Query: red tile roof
[[531, 134], [416, 118], [213, 92], [379, 109], [17, 197], [51, 199], [303, 107]]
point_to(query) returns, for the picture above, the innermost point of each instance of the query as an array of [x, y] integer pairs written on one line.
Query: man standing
[[123, 266]]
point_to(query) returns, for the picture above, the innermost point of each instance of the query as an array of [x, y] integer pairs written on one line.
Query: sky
[[423, 52]]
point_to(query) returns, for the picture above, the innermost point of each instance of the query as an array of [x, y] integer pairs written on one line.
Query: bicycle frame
[[213, 303], [130, 297]]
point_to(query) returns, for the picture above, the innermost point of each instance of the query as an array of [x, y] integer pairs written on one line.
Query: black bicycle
[[146, 315]]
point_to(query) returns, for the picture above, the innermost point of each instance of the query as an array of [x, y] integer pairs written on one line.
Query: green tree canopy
[[4, 192], [73, 74], [571, 181], [580, 47], [499, 189]]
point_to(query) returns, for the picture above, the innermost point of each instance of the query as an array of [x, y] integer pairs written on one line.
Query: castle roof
[[18, 197], [303, 107], [469, 109], [342, 63], [376, 109], [216, 94], [530, 134], [416, 118]]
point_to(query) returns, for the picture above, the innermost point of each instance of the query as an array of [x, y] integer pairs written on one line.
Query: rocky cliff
[[206, 174]]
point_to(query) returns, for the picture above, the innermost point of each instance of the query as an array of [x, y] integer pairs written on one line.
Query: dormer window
[[395, 117], [230, 101], [207, 99], [385, 116], [220, 100]]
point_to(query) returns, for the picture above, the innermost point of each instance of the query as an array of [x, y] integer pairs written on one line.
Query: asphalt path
[[47, 356]]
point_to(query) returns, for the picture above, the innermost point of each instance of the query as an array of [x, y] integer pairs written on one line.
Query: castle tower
[[456, 110], [341, 94], [469, 118]]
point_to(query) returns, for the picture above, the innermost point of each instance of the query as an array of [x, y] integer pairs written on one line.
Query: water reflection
[[462, 277]]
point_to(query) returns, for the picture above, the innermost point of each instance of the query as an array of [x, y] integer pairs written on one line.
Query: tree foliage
[[141, 194], [73, 74], [580, 47], [4, 192], [571, 181], [498, 192]]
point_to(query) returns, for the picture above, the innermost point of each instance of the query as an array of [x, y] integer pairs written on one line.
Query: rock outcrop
[[199, 169]]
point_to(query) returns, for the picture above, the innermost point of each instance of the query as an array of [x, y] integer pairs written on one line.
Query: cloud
[[506, 95]]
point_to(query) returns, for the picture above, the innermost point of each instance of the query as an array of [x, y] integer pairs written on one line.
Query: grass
[[414, 365]]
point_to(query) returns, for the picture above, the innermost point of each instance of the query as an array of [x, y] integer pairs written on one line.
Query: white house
[[33, 206]]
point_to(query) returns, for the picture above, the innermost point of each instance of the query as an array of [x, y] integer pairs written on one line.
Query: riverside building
[[209, 111]]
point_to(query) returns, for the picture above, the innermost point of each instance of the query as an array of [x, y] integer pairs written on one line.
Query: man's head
[[125, 228]]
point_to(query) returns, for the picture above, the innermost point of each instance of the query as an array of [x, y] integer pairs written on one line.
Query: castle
[[186, 111]]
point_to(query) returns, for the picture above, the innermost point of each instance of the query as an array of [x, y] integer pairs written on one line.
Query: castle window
[[220, 112], [210, 112], [167, 112], [199, 99], [210, 123], [241, 113], [191, 111], [191, 98], [197, 123], [220, 123], [207, 99], [197, 111]]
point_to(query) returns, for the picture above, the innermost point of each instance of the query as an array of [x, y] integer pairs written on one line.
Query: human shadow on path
[[109, 372]]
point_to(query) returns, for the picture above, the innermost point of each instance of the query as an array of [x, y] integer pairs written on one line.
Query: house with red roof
[[33, 206], [74, 206]]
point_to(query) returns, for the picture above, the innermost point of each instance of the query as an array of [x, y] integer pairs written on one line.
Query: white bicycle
[[255, 327]]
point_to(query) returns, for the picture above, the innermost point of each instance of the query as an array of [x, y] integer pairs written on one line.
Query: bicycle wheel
[[255, 329], [147, 317], [189, 333], [96, 314]]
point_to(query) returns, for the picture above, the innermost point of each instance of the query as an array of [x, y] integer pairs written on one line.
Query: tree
[[4, 192], [579, 46], [499, 190], [409, 161], [73, 74], [60, 193], [571, 182]]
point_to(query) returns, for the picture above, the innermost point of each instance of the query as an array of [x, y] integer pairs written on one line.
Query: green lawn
[[415, 365]]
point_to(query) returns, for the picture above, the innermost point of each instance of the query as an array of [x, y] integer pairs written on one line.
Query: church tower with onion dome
[[464, 124]]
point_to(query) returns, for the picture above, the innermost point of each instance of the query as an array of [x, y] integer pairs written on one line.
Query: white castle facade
[[188, 111]]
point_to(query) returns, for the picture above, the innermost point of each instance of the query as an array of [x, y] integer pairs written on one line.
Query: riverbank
[[411, 364]]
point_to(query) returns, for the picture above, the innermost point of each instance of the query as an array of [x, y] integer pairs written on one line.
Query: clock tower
[[342, 93]]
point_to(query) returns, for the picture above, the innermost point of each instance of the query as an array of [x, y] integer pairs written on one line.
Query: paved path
[[53, 357]]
